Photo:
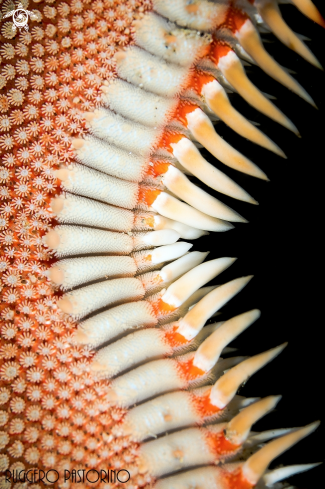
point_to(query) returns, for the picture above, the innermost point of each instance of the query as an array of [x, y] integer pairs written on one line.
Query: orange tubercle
[[190, 371], [219, 49], [169, 138], [235, 19], [183, 108], [239, 18], [147, 195], [236, 480], [157, 168], [174, 339], [198, 80], [161, 308], [204, 406], [220, 445]]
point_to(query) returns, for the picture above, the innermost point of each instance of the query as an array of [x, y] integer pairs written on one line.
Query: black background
[[281, 247]]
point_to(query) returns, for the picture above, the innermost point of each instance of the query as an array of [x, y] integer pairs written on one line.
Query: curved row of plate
[[140, 294]]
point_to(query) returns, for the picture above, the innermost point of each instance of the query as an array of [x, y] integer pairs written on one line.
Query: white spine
[[182, 265], [202, 15], [77, 271], [284, 472], [129, 351], [159, 238], [185, 231], [202, 129], [259, 438], [137, 104], [123, 133], [307, 8], [111, 160], [90, 183], [168, 206], [75, 240], [183, 309], [109, 324], [146, 381], [151, 73], [250, 40], [183, 188], [79, 210], [218, 102], [235, 75], [166, 40], [175, 452], [169, 252], [209, 352], [87, 299], [184, 287], [195, 319], [190, 157]]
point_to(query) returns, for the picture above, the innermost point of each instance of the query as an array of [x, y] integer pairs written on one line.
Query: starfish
[[57, 409]]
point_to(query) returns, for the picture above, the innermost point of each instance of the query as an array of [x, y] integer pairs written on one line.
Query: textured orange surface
[[220, 445], [147, 195], [219, 48], [174, 338], [169, 138], [204, 406], [53, 412], [184, 108], [236, 480], [189, 371]]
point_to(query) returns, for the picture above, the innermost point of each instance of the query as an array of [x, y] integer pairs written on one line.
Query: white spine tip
[[202, 129], [160, 238], [210, 350], [182, 265], [169, 252], [239, 427], [282, 473], [185, 232], [174, 209], [184, 287], [226, 387], [193, 322], [256, 465]]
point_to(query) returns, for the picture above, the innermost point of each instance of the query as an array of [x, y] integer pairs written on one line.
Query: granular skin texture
[[53, 412]]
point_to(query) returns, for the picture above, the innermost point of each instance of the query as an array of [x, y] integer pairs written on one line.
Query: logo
[[20, 17]]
